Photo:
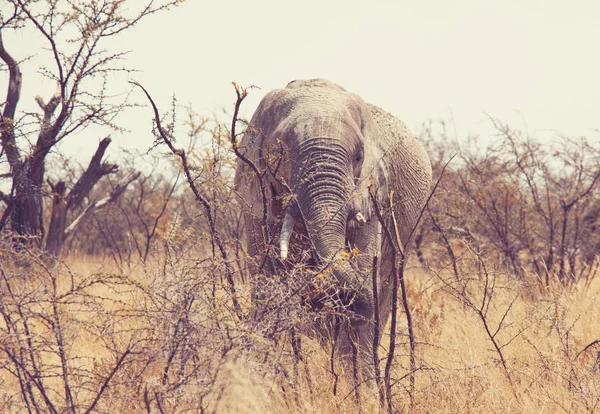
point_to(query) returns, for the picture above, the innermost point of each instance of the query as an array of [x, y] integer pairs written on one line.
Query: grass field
[[164, 338]]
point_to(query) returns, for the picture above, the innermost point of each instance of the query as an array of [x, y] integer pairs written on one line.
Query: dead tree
[[58, 231], [74, 33]]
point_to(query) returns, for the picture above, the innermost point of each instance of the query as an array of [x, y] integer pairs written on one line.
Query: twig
[[242, 93], [376, 335], [336, 333], [215, 237], [107, 380], [392, 344], [407, 313], [596, 342]]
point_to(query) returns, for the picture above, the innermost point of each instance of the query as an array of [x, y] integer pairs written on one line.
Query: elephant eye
[[358, 156], [358, 161]]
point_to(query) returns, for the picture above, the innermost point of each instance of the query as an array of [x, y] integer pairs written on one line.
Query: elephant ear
[[261, 145], [407, 168], [374, 171]]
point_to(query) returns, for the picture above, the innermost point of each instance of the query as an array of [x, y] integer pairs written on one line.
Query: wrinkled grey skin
[[326, 146]]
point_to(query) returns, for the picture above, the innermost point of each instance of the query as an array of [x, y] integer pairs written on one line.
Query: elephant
[[312, 164]]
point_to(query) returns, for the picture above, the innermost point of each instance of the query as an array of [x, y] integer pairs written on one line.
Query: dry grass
[[542, 339], [221, 365]]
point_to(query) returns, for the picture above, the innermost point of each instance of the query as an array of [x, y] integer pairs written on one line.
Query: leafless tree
[[530, 204], [76, 34]]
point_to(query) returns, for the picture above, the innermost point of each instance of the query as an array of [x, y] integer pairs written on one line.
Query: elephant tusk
[[360, 218], [286, 234]]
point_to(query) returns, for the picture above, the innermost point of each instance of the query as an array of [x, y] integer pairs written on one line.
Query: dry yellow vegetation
[[164, 338]]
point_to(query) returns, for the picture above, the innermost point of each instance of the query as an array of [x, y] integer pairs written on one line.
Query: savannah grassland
[[164, 338], [149, 316], [147, 309]]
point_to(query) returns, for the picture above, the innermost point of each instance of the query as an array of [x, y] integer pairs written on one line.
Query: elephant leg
[[355, 345], [366, 344], [385, 285]]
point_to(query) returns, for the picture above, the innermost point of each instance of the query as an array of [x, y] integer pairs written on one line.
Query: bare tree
[[531, 205], [75, 33]]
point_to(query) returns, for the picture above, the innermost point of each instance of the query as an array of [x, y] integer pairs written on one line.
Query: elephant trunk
[[348, 287], [322, 197]]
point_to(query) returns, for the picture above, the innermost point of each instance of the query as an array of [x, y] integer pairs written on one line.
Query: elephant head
[[327, 147]]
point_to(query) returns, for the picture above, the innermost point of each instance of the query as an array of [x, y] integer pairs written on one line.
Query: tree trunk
[[27, 209], [58, 221]]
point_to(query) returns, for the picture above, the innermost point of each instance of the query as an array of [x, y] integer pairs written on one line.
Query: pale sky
[[532, 64]]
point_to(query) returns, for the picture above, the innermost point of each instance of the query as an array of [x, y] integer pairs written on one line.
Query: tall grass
[[165, 338]]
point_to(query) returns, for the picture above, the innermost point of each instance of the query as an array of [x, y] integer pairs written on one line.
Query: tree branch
[[94, 172], [5, 198], [7, 120], [48, 108], [97, 205]]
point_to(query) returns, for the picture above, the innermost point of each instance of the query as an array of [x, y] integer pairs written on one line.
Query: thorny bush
[[531, 205]]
